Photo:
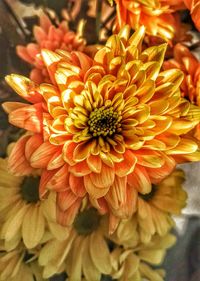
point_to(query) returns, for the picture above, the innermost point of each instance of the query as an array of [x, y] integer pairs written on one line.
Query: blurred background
[[17, 19]]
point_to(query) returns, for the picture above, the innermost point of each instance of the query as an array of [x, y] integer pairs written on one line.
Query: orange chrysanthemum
[[155, 15], [50, 37], [192, 5], [107, 126], [189, 64]]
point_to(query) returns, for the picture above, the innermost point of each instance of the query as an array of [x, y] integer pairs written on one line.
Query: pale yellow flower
[[83, 254], [24, 215], [154, 210], [19, 265], [136, 263]]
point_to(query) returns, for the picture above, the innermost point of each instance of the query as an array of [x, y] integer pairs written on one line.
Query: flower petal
[[33, 227], [18, 164]]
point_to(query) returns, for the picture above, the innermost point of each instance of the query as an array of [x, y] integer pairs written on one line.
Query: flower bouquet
[[91, 182]]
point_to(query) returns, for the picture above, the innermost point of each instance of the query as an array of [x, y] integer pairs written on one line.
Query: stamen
[[104, 121], [30, 189], [87, 221]]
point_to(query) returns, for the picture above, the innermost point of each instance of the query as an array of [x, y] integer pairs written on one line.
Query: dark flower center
[[87, 221], [103, 121], [150, 195], [30, 189], [27, 257]]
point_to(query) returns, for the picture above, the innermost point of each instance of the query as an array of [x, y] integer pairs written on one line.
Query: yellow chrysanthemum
[[155, 210], [84, 252], [23, 215], [138, 263], [106, 127], [19, 265]]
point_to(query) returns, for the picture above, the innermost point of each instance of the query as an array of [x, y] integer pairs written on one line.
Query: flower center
[[30, 189], [150, 195], [103, 121], [27, 257], [87, 221]]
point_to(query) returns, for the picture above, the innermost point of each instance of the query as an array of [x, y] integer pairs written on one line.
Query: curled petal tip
[[18, 82], [142, 29], [50, 57], [137, 37]]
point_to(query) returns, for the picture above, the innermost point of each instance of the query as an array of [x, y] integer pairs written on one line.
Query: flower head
[[84, 251], [24, 216], [155, 210], [155, 15], [19, 264], [190, 65], [50, 37], [108, 127], [194, 7], [144, 257], [90, 252]]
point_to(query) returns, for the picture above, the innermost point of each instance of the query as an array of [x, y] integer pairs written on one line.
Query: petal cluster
[[155, 15], [19, 264], [144, 257], [83, 252], [107, 127], [155, 210], [50, 37], [185, 60], [24, 216]]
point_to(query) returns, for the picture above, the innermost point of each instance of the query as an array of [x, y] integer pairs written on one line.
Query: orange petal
[[59, 180], [94, 163], [100, 204], [51, 59], [45, 178], [28, 117], [17, 162], [65, 199], [149, 158], [39, 34], [32, 144], [93, 190], [41, 156], [117, 193], [45, 22], [56, 161], [82, 60], [23, 54], [184, 146], [103, 179], [131, 202], [77, 185], [127, 165], [68, 151], [82, 150], [157, 174], [11, 106], [80, 169], [24, 87], [67, 217], [140, 180]]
